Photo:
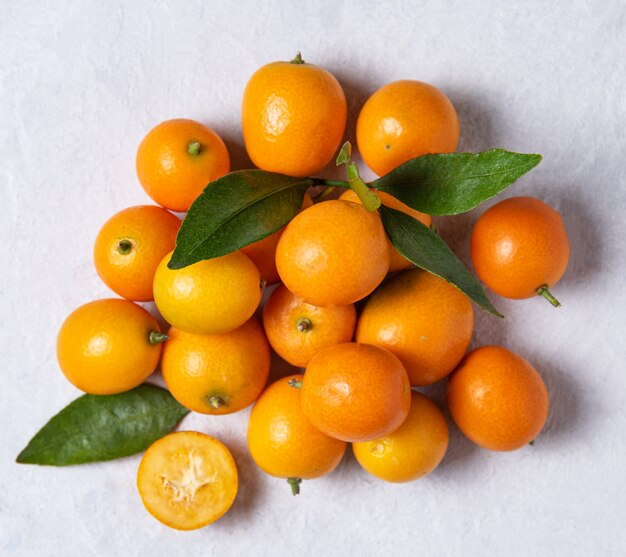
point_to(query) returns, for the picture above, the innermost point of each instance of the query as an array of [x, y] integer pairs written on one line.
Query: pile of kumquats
[[318, 246]]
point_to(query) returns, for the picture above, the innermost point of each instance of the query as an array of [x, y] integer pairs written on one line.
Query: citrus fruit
[[414, 450], [263, 252], [497, 399], [333, 253], [519, 248], [208, 297], [283, 442], [355, 392], [130, 246], [397, 262], [293, 117], [109, 346], [176, 161], [423, 320], [403, 120], [297, 330], [216, 374], [187, 480]]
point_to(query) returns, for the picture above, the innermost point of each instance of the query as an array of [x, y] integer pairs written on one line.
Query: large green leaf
[[95, 428], [454, 183], [423, 247], [236, 210]]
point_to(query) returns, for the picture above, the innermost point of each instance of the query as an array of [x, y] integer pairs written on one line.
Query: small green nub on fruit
[[216, 402], [297, 59], [155, 337], [304, 325], [194, 148], [124, 246]]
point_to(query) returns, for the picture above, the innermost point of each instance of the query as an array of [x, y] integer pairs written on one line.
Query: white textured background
[[82, 82]]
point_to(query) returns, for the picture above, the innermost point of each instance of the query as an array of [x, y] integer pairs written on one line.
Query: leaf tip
[[491, 309], [175, 262], [22, 458]]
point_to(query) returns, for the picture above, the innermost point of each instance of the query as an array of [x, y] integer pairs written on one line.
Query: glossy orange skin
[[414, 450], [282, 441], [333, 253], [355, 392], [403, 120], [151, 232], [226, 370], [423, 320], [497, 399], [172, 176], [396, 261], [282, 313], [103, 347], [209, 297], [263, 252], [519, 245], [187, 480], [293, 118]]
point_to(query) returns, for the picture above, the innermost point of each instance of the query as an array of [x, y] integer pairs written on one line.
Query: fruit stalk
[[124, 247], [304, 325], [369, 200], [295, 485], [155, 337], [545, 292], [194, 148], [216, 402]]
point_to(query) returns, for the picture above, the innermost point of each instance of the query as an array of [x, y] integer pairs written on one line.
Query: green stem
[[295, 485], [194, 148], [155, 337], [216, 402], [304, 325], [297, 59], [124, 246], [334, 183], [543, 291], [369, 199], [295, 383]]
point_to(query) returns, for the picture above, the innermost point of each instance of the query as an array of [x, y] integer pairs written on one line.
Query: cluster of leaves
[[244, 207]]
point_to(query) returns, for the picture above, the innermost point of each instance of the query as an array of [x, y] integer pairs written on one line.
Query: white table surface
[[81, 83]]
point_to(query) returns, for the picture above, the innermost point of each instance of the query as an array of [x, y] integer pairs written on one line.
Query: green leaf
[[95, 428], [423, 247], [457, 182], [236, 210]]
